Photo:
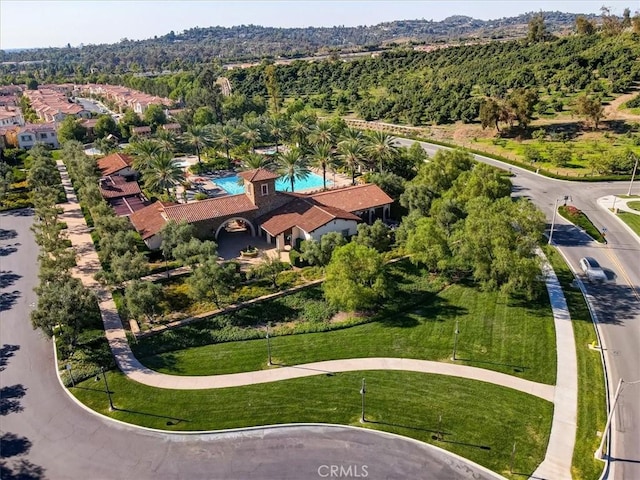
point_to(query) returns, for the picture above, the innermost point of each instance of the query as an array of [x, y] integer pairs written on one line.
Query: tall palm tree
[[381, 147], [251, 132], [144, 151], [292, 165], [351, 134], [225, 137], [300, 126], [278, 128], [323, 132], [167, 139], [199, 137], [322, 157], [163, 173], [352, 154]]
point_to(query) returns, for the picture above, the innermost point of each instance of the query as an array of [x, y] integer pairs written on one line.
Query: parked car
[[592, 270]]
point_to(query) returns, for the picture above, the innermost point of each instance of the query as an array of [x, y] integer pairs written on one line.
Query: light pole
[[106, 385], [455, 341], [635, 167], [363, 392], [555, 211], [268, 347], [598, 453]]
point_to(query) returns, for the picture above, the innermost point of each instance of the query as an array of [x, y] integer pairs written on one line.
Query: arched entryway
[[236, 224]]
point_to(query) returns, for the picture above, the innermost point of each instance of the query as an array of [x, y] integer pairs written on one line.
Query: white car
[[592, 270]]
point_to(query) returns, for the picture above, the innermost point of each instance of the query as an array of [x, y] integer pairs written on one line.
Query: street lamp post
[[555, 211], [635, 167], [106, 385], [455, 341], [363, 392], [268, 347]]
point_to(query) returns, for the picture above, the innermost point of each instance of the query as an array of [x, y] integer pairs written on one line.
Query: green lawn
[[496, 332], [632, 220], [480, 421], [635, 205], [592, 410]]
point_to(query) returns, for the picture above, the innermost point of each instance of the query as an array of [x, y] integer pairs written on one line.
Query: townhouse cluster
[[124, 97]]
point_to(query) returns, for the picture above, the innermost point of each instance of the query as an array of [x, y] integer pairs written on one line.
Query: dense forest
[[181, 51]]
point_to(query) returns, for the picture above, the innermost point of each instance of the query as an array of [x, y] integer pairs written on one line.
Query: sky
[[56, 23]]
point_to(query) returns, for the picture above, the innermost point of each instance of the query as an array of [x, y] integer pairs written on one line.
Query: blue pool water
[[231, 185]]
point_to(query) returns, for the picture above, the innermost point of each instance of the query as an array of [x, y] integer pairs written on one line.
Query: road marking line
[[623, 272]]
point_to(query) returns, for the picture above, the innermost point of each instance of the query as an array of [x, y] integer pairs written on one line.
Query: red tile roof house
[[116, 164], [281, 217]]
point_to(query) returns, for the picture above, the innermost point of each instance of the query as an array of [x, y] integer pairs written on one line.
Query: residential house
[[10, 116], [117, 164], [122, 194], [29, 135]]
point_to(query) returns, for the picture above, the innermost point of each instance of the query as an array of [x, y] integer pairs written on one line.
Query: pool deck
[[206, 183]]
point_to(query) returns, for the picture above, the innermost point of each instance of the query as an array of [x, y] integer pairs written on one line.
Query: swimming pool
[[231, 185]]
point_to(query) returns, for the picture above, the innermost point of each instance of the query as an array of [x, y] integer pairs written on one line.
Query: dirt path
[[611, 111]]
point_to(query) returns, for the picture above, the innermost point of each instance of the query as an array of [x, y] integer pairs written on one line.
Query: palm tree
[[278, 128], [322, 157], [381, 147], [167, 139], [352, 154], [163, 173], [251, 131], [225, 137], [300, 126], [292, 165], [323, 132], [198, 137], [351, 134], [254, 161], [144, 151]]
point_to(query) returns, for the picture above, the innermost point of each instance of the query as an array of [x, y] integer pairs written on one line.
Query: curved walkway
[[557, 462]]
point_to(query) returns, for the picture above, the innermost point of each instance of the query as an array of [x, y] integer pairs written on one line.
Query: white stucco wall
[[153, 242], [337, 225]]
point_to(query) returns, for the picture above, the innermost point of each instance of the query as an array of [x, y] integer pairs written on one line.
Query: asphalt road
[[617, 304], [46, 435]]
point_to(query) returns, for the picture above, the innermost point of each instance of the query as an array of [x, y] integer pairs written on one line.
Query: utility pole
[[635, 167], [268, 347], [555, 211], [106, 385], [598, 453]]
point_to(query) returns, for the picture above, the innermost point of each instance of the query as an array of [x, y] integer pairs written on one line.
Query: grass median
[[480, 421], [496, 332], [592, 410], [631, 219]]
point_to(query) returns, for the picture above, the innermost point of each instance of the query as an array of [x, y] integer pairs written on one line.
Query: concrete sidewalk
[[557, 462]]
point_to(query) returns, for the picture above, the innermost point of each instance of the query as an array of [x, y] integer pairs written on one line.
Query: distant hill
[[176, 51]]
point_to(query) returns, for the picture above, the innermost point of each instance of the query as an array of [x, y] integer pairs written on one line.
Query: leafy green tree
[[428, 244], [105, 126], [273, 89], [300, 126], [116, 245], [195, 251], [482, 181], [204, 116], [490, 113], [71, 129], [392, 184], [128, 266], [163, 173], [269, 267], [6, 178], [584, 26], [522, 104], [589, 107], [278, 128], [144, 151], [498, 244], [319, 252], [252, 132], [355, 278], [142, 299], [376, 236], [417, 197], [129, 119], [211, 281], [154, 116], [292, 165], [175, 234], [537, 29]]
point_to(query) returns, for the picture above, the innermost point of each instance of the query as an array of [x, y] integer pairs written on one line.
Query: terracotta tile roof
[[209, 209], [149, 220], [141, 129], [114, 187], [114, 163], [304, 213], [354, 199], [257, 175]]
